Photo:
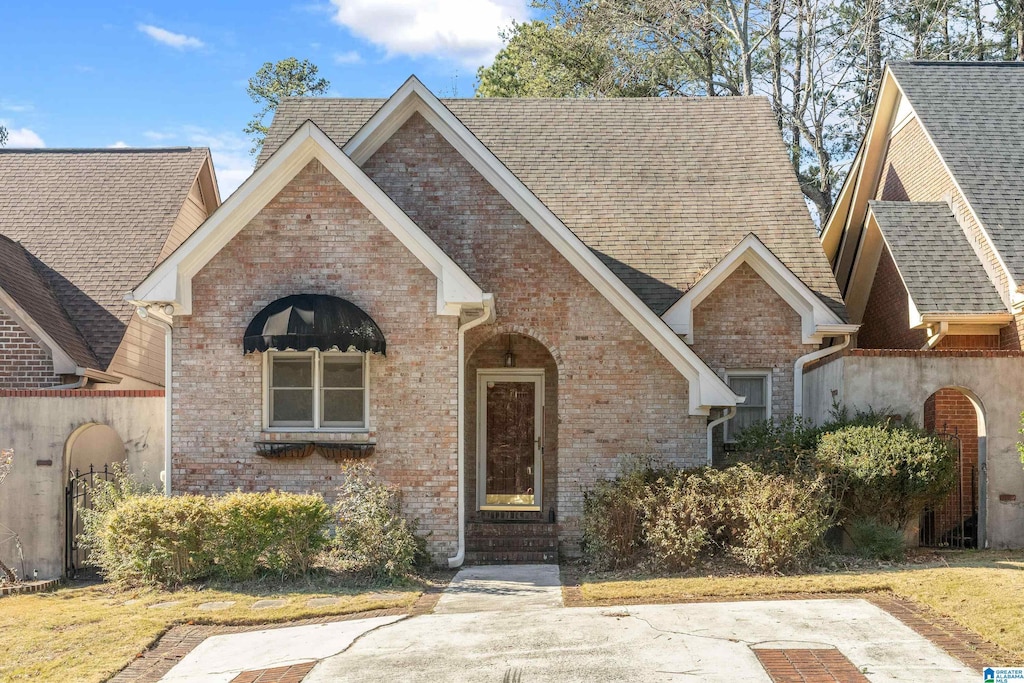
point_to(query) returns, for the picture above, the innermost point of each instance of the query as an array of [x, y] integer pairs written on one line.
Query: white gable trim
[[817, 320], [62, 361], [171, 281], [706, 388]]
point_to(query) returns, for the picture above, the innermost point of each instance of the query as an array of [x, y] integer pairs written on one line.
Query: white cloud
[[22, 137], [157, 136], [350, 57], [176, 40], [18, 107], [463, 30], [120, 144]]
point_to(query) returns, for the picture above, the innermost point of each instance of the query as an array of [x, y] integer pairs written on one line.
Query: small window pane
[[343, 371], [293, 372], [751, 387], [343, 407], [744, 418], [291, 406]]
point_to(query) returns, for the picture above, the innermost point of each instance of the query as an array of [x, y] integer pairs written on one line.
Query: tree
[[286, 78], [3, 136]]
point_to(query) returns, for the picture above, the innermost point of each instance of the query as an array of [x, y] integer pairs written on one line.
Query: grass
[[981, 590], [87, 633]]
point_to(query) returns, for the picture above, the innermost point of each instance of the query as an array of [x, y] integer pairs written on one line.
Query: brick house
[[492, 302], [81, 375], [925, 243]]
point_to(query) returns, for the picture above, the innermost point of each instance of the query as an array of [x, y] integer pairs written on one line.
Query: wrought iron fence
[[78, 496], [953, 523]]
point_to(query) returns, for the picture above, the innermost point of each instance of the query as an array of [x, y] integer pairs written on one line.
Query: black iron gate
[[78, 496], [953, 523]]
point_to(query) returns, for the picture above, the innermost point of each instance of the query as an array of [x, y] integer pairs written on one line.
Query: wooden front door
[[510, 439]]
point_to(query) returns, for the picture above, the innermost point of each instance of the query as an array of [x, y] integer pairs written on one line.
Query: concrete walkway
[[508, 624]]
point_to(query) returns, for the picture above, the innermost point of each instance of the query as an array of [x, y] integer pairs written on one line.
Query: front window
[[756, 387], [315, 390]]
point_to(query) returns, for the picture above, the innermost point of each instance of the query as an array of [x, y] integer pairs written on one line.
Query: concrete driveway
[[508, 624]]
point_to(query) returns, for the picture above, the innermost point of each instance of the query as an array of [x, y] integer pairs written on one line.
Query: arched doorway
[[89, 454], [956, 414], [511, 430]]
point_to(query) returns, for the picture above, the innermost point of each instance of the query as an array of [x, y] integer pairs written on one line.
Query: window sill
[[334, 436]]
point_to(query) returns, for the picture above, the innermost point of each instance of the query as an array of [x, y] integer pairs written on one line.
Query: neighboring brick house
[[493, 302], [926, 245], [81, 374]]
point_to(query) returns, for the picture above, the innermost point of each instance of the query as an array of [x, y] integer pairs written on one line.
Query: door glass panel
[[511, 430]]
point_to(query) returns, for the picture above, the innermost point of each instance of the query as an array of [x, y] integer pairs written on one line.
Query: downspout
[[168, 329], [77, 384], [730, 413], [798, 371], [937, 337], [486, 317]]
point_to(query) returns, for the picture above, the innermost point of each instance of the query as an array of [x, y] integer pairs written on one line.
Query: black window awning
[[313, 321]]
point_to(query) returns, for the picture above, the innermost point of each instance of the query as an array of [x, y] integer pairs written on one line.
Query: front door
[[510, 424]]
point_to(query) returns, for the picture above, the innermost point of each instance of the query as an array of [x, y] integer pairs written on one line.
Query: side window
[[756, 387], [314, 390]]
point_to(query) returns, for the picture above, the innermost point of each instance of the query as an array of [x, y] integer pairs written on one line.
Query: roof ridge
[[940, 62]]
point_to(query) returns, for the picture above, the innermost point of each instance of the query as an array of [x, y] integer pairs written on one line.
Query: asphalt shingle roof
[[20, 279], [974, 113], [94, 222], [938, 265], [660, 189]]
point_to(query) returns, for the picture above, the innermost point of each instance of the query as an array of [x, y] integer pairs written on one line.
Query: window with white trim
[[756, 386], [316, 390]]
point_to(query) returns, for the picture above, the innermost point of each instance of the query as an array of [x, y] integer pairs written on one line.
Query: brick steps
[[511, 543]]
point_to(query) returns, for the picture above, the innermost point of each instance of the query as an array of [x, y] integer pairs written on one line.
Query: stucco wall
[[903, 381], [37, 427]]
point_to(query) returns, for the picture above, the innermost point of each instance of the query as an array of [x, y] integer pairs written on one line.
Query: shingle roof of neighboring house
[[20, 279], [974, 113], [94, 222], [660, 189], [937, 263]]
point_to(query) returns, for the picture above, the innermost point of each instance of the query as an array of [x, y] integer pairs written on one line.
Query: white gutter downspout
[[730, 413], [77, 384], [168, 329], [798, 371], [937, 337], [486, 317]]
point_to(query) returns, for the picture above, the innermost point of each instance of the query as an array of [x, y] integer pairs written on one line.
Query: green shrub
[[136, 536], [889, 474], [274, 532], [875, 540], [781, 446], [686, 519], [612, 522], [370, 535]]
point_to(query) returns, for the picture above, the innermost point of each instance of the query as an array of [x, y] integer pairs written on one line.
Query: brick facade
[[316, 237], [616, 393], [745, 325], [913, 171], [887, 314], [609, 391], [24, 363]]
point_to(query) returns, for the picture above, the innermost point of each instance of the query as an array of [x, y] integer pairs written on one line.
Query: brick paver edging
[[178, 641], [818, 665], [955, 640], [28, 587]]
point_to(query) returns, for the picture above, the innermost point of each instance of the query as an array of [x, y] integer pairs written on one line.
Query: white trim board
[[171, 281], [817, 320], [706, 388]]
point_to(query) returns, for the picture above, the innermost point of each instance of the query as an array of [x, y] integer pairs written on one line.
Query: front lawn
[[87, 633], [981, 590]]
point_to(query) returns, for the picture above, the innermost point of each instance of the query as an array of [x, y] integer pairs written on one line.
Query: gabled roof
[[818, 321], [938, 266], [94, 222], [660, 189], [29, 299], [974, 114], [171, 281]]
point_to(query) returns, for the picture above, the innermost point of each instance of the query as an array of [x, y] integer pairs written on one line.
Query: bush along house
[[492, 301]]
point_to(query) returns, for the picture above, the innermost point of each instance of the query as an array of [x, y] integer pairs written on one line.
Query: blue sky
[[92, 74]]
